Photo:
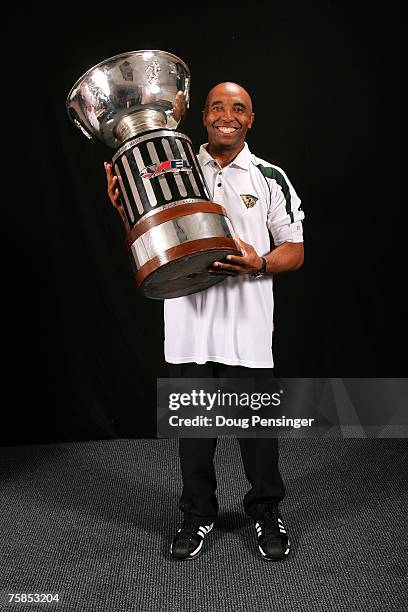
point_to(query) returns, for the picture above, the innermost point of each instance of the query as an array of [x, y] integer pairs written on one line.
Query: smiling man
[[226, 330]]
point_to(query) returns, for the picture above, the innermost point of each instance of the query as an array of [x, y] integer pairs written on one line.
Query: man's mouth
[[225, 130]]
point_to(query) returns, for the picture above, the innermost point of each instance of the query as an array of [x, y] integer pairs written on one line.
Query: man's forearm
[[286, 257]]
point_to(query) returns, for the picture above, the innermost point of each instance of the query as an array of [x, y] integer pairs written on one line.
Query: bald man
[[226, 331]]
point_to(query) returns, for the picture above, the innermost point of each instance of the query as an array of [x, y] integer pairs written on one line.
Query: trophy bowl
[[133, 103]]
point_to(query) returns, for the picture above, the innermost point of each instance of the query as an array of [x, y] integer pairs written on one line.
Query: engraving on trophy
[[152, 72], [126, 70]]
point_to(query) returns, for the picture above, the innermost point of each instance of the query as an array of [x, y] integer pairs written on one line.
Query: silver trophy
[[131, 103]]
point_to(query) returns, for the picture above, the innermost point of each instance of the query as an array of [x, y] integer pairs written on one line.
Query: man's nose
[[228, 114]]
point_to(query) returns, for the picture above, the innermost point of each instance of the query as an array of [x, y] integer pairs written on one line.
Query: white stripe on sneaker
[[197, 550]]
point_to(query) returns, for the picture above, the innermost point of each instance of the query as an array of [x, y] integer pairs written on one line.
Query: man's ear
[[203, 116], [252, 121]]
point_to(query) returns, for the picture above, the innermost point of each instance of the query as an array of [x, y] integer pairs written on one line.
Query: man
[[226, 330]]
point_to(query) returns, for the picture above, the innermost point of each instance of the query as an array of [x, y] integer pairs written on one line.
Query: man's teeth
[[226, 130]]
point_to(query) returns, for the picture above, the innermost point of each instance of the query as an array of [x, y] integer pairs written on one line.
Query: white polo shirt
[[232, 321]]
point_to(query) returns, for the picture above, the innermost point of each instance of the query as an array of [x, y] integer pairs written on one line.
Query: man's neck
[[223, 156]]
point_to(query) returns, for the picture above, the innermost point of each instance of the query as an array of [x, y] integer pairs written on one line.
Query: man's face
[[227, 116]]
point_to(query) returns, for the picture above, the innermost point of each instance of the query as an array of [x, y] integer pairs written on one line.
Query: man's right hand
[[113, 193]]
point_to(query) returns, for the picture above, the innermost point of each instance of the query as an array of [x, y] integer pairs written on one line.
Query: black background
[[82, 348]]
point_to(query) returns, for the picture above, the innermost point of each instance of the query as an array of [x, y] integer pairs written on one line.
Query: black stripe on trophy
[[203, 181], [179, 148], [134, 160], [172, 153], [165, 156], [159, 183], [191, 177], [197, 173], [135, 203]]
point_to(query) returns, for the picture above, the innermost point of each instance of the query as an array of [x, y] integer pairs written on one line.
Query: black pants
[[260, 456]]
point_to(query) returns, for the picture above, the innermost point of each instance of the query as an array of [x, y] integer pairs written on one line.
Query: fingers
[[112, 179], [108, 170], [113, 193], [223, 268], [235, 259], [116, 197], [109, 175], [179, 106], [242, 244], [213, 273]]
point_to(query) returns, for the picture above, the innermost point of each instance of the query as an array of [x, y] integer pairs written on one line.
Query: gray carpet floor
[[93, 521]]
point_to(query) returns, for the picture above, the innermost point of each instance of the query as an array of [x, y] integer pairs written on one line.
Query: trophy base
[[172, 249], [182, 275]]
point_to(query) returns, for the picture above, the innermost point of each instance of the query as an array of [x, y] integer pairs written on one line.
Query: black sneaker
[[189, 539], [273, 541]]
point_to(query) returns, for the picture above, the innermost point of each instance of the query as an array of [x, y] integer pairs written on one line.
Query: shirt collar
[[241, 160]]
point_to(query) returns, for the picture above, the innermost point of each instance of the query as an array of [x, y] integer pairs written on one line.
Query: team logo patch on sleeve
[[249, 200]]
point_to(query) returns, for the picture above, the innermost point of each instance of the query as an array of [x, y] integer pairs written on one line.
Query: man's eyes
[[236, 109]]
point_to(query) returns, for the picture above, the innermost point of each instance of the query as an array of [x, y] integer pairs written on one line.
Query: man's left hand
[[249, 263]]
